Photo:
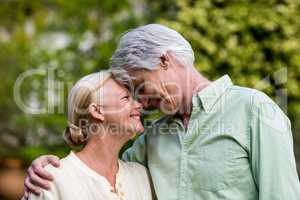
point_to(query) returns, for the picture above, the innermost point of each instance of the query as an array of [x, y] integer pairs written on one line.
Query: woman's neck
[[102, 154]]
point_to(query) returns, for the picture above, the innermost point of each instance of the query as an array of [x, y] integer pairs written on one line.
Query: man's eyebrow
[[139, 86]]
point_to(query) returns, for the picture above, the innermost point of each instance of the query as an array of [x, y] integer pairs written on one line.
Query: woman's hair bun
[[74, 136]]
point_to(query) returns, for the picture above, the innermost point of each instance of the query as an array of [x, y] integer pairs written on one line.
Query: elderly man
[[216, 141]]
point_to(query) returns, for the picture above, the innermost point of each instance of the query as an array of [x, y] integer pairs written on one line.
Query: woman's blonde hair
[[82, 94]]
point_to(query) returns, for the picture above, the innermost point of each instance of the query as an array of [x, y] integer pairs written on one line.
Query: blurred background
[[45, 45]]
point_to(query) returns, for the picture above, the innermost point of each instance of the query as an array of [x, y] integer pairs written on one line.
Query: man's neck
[[193, 83]]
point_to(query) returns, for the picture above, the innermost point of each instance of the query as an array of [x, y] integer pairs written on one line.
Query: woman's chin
[[139, 129], [137, 126], [135, 129]]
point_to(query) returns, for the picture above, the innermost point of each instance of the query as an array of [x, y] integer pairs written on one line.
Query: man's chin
[[168, 110]]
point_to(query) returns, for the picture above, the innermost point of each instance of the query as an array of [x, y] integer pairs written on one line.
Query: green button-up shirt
[[238, 145]]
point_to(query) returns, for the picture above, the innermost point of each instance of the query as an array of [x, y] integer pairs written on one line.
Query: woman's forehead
[[114, 88]]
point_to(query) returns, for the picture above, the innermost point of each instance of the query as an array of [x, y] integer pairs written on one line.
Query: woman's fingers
[[30, 187], [37, 181]]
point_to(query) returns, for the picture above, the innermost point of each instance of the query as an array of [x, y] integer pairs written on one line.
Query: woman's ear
[[165, 61], [96, 112]]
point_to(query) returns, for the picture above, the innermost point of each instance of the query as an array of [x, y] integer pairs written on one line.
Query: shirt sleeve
[[137, 153], [271, 152]]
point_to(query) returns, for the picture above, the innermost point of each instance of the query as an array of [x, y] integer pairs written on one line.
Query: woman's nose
[[138, 105]]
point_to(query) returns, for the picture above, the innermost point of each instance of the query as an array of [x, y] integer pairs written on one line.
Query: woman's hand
[[37, 177]]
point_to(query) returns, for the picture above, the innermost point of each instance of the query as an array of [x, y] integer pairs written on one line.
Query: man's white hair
[[141, 48]]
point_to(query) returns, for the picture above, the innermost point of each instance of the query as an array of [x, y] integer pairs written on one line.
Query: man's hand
[[37, 177]]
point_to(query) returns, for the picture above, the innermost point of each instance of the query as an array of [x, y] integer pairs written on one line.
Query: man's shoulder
[[250, 95], [255, 99], [242, 91]]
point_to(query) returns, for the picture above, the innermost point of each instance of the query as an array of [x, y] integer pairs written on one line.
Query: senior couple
[[216, 141]]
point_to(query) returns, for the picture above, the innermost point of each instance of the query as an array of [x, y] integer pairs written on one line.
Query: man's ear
[[165, 60], [96, 112]]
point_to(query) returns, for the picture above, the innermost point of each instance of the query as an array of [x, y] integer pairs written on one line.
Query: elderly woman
[[102, 117]]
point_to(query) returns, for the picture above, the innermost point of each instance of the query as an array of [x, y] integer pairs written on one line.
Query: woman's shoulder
[[63, 170], [60, 175], [136, 171], [133, 166], [138, 175]]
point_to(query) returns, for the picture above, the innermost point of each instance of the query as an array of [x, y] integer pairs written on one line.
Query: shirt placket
[[183, 171], [184, 137]]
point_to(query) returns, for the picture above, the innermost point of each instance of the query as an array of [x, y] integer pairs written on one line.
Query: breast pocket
[[217, 163]]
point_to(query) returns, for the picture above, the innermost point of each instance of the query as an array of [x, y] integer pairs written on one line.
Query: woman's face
[[121, 112]]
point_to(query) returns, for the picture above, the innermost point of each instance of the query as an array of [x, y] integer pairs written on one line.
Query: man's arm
[[271, 151], [37, 177]]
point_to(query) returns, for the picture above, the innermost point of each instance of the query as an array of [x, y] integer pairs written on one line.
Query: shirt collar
[[209, 95]]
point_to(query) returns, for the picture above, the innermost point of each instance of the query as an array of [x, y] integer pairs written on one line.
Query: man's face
[[158, 88]]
